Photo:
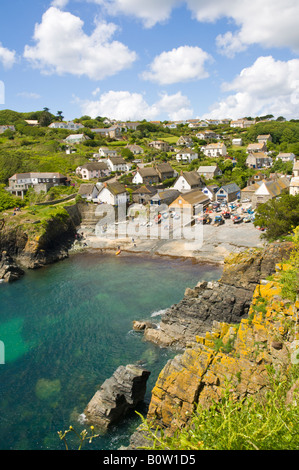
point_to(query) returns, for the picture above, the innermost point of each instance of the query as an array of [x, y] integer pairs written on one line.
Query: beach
[[210, 244]]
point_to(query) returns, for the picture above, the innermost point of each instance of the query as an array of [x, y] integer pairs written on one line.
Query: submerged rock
[[118, 394]]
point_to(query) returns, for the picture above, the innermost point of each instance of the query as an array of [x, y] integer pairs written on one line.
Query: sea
[[65, 329]]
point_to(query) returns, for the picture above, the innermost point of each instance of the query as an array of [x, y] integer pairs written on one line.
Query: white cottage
[[114, 194]]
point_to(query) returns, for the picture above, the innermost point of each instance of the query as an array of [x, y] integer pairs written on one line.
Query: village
[[175, 191]]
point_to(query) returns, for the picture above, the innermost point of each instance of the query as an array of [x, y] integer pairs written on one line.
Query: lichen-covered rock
[[229, 358]]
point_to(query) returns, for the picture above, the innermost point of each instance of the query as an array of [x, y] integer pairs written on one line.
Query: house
[[76, 138], [242, 123], [32, 122], [203, 135], [258, 160], [228, 192], [194, 123], [185, 140], [209, 172], [70, 125], [147, 175], [264, 138], [269, 190], [114, 194], [93, 170], [165, 171], [143, 194], [118, 164], [88, 191], [294, 186], [187, 181], [211, 191], [7, 128], [164, 197], [195, 201], [107, 152], [135, 149], [131, 126], [259, 176], [19, 183], [237, 142], [286, 157], [159, 145], [260, 147], [294, 183], [186, 156], [114, 132], [215, 150], [248, 192]]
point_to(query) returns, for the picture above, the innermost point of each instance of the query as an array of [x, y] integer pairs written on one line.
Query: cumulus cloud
[[149, 11], [124, 105], [270, 23], [7, 57], [186, 63], [63, 47], [269, 86]]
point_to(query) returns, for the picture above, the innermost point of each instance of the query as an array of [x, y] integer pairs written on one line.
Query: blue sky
[[151, 59]]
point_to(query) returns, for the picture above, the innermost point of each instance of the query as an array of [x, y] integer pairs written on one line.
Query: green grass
[[266, 424]]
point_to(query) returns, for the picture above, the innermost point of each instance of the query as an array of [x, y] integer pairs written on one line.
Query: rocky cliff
[[225, 356], [31, 242], [227, 300]]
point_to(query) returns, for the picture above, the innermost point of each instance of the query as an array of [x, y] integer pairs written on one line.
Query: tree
[[59, 116], [45, 118], [279, 216]]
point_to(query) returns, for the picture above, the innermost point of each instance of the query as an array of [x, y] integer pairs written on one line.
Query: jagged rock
[[142, 325], [9, 270], [118, 394], [227, 300]]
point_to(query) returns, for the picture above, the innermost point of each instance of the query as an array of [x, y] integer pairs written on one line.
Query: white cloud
[[149, 11], [7, 57], [186, 63], [270, 23], [124, 105], [269, 86], [63, 47], [59, 3]]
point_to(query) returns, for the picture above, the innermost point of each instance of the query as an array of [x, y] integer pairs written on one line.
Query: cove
[[67, 327]]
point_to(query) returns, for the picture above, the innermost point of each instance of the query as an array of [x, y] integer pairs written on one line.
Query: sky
[[151, 59]]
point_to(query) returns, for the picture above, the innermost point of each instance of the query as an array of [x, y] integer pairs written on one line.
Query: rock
[[118, 394], [142, 325], [9, 270], [227, 300], [277, 345]]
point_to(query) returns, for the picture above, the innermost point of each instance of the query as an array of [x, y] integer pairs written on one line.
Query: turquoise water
[[67, 327]]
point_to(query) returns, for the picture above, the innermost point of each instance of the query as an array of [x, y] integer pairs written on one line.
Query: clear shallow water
[[67, 327]]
